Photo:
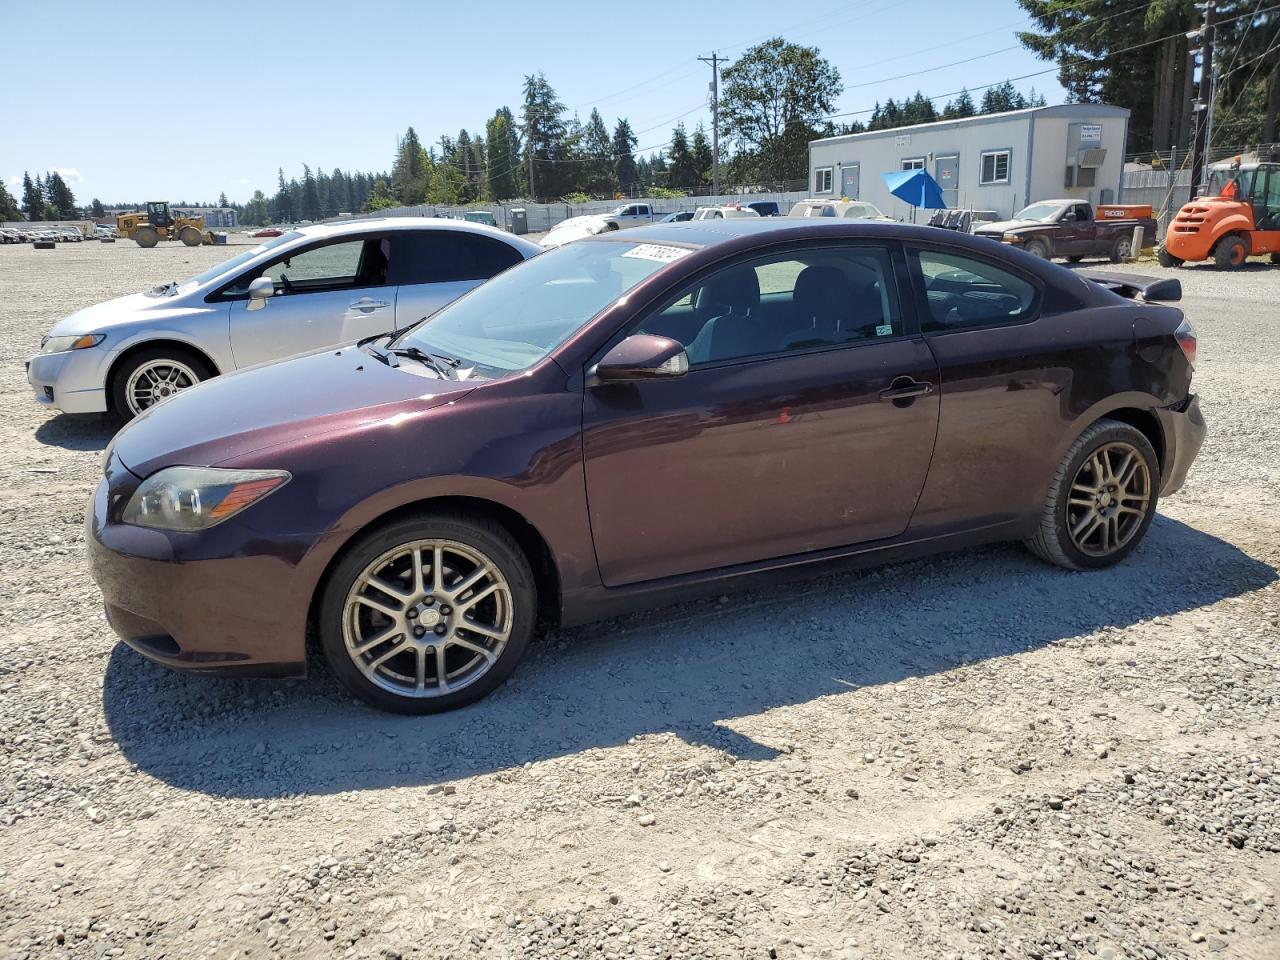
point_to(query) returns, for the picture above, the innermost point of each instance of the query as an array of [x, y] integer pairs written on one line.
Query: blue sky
[[245, 87]]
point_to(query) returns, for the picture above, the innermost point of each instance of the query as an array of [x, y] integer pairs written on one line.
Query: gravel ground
[[971, 756]]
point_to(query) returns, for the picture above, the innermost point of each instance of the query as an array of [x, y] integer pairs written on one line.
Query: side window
[[963, 293], [798, 300], [335, 266], [445, 256]]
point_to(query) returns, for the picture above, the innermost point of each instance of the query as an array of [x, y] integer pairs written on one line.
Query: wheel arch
[[117, 364], [537, 550], [1143, 418]]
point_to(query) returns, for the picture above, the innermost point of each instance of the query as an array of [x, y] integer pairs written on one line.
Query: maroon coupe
[[633, 417]]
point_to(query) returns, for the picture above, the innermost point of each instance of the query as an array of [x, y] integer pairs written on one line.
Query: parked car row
[[30, 234], [639, 415]]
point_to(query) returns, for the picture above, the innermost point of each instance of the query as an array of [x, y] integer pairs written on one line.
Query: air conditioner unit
[[1093, 157]]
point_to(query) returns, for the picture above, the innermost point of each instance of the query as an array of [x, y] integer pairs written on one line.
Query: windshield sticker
[[655, 251]]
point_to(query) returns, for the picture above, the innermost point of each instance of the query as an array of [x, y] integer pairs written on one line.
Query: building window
[[995, 167], [913, 163], [822, 180]]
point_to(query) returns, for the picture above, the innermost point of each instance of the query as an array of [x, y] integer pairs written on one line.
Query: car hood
[[1001, 226], [234, 415], [575, 228], [122, 311]]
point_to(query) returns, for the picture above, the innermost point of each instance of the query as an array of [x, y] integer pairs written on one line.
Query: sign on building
[[1091, 132]]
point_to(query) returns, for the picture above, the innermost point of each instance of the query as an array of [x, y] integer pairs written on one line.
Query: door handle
[[904, 388], [368, 306]]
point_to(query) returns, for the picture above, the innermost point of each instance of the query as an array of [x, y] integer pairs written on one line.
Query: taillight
[[1186, 338]]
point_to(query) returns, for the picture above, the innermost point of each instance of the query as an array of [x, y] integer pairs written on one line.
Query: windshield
[[1040, 211], [1219, 178], [240, 259], [520, 316]]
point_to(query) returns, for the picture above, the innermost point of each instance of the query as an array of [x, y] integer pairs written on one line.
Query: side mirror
[[259, 289], [643, 357]]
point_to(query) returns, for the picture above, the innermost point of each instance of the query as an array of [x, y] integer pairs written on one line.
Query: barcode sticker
[[656, 251]]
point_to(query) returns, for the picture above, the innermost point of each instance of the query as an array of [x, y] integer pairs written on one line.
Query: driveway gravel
[[970, 756]]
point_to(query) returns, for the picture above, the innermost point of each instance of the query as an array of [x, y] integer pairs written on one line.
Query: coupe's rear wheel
[[1102, 499], [429, 613], [153, 375]]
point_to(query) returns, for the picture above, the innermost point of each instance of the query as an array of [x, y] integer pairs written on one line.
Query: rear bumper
[[1184, 432]]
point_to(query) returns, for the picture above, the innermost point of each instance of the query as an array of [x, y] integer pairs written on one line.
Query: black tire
[[192, 361], [1121, 249], [1037, 248], [1053, 542], [1074, 258], [44, 245], [1167, 259], [1275, 259], [1230, 253], [146, 236], [488, 538], [190, 237]]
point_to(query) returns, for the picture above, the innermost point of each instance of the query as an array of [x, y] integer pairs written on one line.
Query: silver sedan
[[306, 289]]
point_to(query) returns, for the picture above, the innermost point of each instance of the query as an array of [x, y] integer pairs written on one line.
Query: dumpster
[[481, 216], [519, 221]]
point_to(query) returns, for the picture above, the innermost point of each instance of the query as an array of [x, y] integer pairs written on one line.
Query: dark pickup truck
[[1071, 229]]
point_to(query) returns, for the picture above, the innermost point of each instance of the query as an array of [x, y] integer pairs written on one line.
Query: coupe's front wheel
[[1102, 499], [429, 613]]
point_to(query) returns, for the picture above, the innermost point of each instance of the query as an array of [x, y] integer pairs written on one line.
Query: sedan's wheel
[[428, 614], [152, 376], [1102, 499]]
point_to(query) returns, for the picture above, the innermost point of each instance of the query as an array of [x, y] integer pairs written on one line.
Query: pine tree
[[682, 173], [598, 149], [624, 162], [959, 108], [310, 197], [96, 209], [9, 205], [503, 167], [409, 174], [544, 137], [222, 199], [282, 202], [60, 202], [702, 157]]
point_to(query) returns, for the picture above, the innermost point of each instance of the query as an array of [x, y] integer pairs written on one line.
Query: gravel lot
[[971, 756]]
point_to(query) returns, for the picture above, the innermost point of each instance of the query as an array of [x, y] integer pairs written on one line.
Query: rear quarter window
[[963, 293]]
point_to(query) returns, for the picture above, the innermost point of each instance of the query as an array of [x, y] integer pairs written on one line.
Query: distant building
[[996, 161]]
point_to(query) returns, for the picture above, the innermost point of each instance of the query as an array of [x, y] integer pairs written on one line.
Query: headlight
[[195, 498], [1011, 238], [61, 344]]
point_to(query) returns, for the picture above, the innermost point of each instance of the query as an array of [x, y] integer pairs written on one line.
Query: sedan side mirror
[[643, 356], [259, 289]]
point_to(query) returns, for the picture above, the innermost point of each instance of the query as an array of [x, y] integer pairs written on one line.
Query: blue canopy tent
[[917, 188]]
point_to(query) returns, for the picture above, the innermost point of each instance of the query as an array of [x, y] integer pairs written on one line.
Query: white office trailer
[[999, 161]]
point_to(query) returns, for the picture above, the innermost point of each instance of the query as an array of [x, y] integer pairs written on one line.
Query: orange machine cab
[[1239, 218]]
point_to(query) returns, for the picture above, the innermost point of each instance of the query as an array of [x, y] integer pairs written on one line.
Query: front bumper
[[1184, 432], [217, 602], [73, 381]]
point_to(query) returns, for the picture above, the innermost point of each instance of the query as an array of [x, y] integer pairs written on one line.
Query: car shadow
[[77, 431], [685, 669]]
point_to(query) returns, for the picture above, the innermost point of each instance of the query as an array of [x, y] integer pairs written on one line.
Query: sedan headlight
[[62, 344], [196, 498], [1011, 238]]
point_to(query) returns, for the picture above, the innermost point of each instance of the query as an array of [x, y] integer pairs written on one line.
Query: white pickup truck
[[633, 215]]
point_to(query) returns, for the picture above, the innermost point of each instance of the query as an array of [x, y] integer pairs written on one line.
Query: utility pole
[[1200, 151], [715, 62]]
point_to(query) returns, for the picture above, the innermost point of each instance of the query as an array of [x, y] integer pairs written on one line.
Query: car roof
[[346, 228]]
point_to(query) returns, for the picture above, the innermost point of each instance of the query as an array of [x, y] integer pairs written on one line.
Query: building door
[[849, 181], [946, 170]]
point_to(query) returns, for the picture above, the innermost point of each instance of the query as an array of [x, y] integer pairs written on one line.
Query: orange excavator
[[1238, 218]]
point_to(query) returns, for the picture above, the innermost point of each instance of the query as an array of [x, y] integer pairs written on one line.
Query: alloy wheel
[[427, 618], [1110, 497], [155, 381]]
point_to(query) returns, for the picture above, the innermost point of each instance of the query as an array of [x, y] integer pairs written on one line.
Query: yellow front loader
[[148, 229]]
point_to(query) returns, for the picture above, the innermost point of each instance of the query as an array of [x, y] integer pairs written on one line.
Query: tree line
[[1140, 57], [43, 198]]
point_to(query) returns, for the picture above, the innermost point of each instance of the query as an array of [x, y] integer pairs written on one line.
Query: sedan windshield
[[1040, 211], [239, 260], [520, 316]]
